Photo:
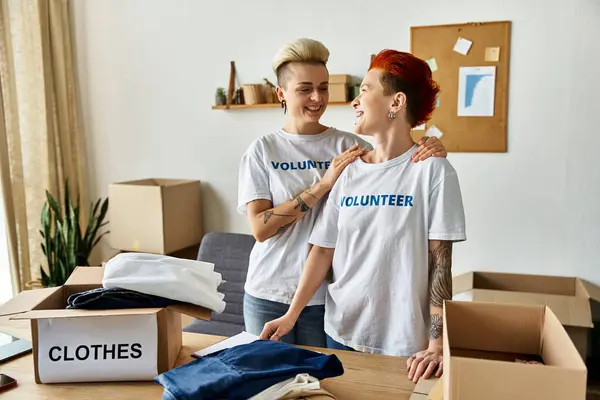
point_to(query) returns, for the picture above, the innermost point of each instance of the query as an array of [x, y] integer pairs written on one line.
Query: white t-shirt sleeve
[[253, 183], [368, 146], [325, 231], [365, 144], [446, 213]]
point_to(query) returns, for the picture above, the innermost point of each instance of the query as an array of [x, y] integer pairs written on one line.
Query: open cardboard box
[[569, 298], [428, 389], [159, 216], [484, 341], [75, 345]]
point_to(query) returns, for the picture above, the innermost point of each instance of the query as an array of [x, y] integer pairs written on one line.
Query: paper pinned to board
[[432, 64], [492, 54], [241, 338], [434, 131], [421, 127], [476, 91], [462, 46]]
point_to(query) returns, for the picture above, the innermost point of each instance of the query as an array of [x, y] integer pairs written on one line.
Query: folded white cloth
[[300, 383], [190, 281]]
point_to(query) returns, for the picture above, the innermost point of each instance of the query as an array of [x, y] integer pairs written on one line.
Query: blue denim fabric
[[106, 299], [332, 344], [245, 370], [308, 331]]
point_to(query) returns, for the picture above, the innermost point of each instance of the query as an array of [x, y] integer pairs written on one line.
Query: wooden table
[[366, 376]]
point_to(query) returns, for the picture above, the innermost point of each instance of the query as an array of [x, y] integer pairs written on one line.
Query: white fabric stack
[[189, 281], [300, 383]]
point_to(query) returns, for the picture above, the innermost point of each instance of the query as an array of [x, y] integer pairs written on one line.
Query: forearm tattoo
[[440, 274], [266, 215], [303, 206], [285, 227], [436, 326]]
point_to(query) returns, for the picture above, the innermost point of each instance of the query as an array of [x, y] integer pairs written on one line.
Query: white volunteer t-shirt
[[278, 167], [379, 218]]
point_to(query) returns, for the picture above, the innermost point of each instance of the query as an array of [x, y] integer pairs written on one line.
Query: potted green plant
[[63, 242], [220, 97]]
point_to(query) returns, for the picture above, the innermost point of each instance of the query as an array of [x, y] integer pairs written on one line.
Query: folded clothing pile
[[113, 298], [243, 371], [187, 281]]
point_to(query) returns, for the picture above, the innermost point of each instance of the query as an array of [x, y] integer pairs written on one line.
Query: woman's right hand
[[274, 330], [339, 163]]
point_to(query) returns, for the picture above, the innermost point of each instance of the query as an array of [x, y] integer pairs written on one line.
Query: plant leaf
[[63, 242], [54, 205], [98, 239], [45, 278], [67, 197], [97, 222]]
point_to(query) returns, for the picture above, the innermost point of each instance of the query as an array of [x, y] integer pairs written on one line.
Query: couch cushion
[[214, 328], [230, 253]]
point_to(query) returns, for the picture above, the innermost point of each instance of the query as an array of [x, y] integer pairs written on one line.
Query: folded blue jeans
[[113, 298], [244, 371]]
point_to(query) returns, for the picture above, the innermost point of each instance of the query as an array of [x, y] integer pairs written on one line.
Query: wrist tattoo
[[307, 191], [440, 274], [436, 327], [303, 206]]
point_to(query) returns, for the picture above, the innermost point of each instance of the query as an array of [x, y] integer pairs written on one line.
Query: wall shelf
[[266, 105]]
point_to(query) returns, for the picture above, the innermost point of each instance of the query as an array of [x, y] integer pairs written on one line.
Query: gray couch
[[229, 252]]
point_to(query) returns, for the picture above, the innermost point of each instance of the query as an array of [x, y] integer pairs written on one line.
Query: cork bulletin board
[[471, 114]]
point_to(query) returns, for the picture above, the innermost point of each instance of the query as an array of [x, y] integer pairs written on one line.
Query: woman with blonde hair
[[283, 177]]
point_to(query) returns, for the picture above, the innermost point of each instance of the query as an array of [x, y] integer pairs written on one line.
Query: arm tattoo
[[303, 206], [440, 274], [285, 227], [307, 191], [436, 328], [269, 213]]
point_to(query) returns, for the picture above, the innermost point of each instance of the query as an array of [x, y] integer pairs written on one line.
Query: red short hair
[[403, 72]]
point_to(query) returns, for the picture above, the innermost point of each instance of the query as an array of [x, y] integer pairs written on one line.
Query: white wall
[[149, 70]]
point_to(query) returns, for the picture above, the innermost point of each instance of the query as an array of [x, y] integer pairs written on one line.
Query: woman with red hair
[[283, 177], [387, 229]]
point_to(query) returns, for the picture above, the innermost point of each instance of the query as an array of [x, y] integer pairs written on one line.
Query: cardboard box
[[437, 392], [483, 341], [159, 216], [569, 298], [339, 78], [428, 389], [338, 93], [98, 345]]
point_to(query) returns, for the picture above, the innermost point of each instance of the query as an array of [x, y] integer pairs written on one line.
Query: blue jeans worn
[[308, 331], [243, 371], [332, 344]]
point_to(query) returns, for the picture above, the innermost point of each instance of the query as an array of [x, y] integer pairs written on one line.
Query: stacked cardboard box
[[571, 299], [509, 351], [338, 88], [160, 216]]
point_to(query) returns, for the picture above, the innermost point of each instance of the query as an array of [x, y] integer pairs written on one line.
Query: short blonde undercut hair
[[300, 50]]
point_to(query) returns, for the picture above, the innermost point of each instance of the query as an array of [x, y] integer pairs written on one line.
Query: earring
[[284, 106], [391, 115]]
